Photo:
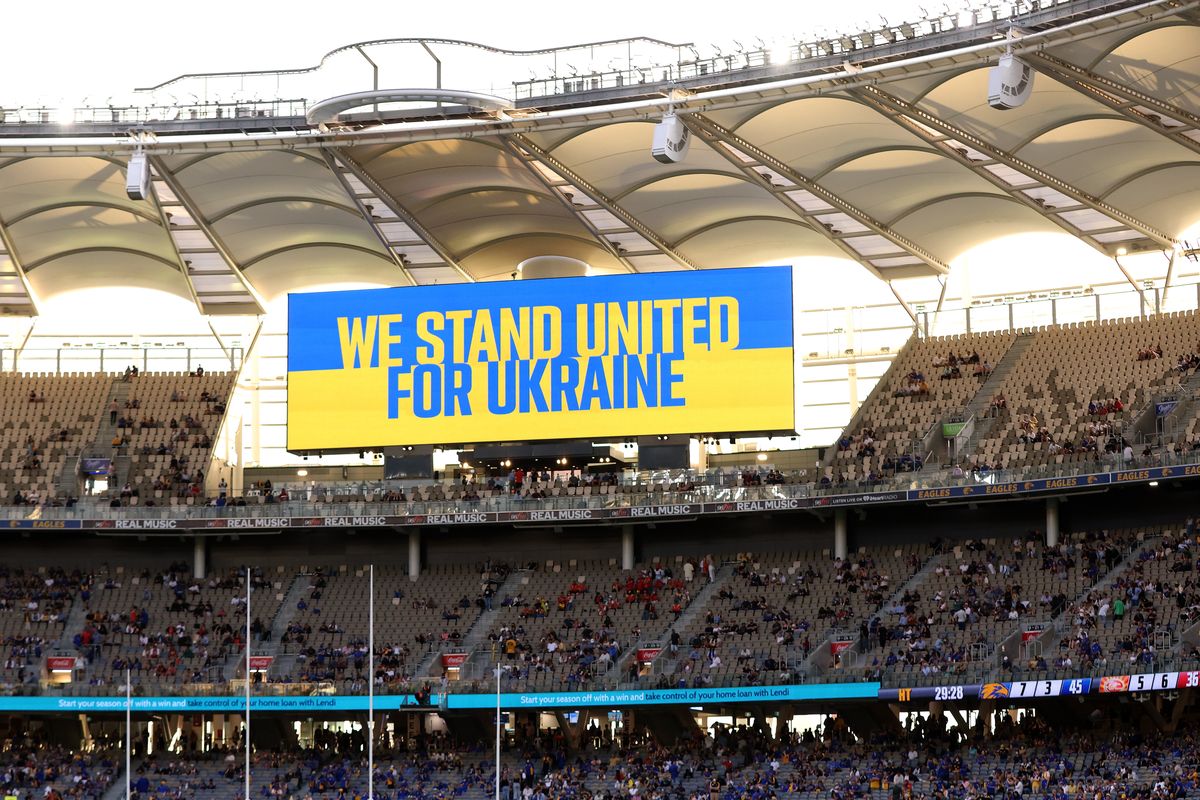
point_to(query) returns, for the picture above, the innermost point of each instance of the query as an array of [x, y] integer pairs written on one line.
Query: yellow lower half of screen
[[721, 391]]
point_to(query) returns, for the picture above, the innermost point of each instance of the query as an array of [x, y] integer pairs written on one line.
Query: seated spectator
[[951, 372]]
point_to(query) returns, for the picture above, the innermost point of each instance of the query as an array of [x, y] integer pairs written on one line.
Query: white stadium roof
[[879, 148]]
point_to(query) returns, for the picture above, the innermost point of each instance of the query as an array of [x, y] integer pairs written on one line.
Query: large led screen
[[701, 352]]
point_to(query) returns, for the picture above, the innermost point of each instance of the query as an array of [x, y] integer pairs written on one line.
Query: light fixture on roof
[[137, 176], [1010, 82], [671, 137], [137, 172]]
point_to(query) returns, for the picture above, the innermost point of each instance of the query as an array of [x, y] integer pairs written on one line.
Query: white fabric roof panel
[[224, 181], [1163, 63], [962, 101], [65, 230], [278, 226], [613, 158], [816, 134], [831, 163]]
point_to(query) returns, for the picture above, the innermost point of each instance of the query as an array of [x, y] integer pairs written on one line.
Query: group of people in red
[[1105, 407]]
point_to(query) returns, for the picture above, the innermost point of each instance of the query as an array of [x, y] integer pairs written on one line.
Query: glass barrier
[[114, 360], [358, 499], [138, 115], [1066, 307]]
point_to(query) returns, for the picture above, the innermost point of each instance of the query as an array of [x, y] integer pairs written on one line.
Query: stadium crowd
[[1023, 756]]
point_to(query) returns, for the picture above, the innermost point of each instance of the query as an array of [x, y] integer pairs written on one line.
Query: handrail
[[351, 504]]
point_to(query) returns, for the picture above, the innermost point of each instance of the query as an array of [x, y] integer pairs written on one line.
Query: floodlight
[[137, 176]]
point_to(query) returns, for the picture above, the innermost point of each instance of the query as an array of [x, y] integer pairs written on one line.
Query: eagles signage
[[615, 356]]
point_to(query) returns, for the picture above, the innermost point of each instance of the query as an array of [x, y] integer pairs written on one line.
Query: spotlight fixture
[[1010, 82], [671, 137], [137, 176]]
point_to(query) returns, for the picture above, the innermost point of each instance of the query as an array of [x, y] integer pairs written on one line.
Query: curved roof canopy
[[896, 163]]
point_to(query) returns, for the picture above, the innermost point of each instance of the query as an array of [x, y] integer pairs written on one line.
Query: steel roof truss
[[782, 181], [200, 253], [368, 206], [1165, 119], [398, 211], [566, 192], [9, 254], [1008, 174], [601, 200]]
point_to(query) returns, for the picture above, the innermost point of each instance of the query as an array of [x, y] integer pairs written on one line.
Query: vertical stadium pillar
[[841, 547], [199, 565], [414, 554], [1051, 522], [627, 547], [983, 721]]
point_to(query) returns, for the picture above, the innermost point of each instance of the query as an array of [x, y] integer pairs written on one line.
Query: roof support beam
[[1128, 278], [18, 268], [1171, 257], [896, 109], [127, 208], [527, 158], [718, 137], [266, 201], [79, 251], [400, 211], [1117, 88], [183, 267], [602, 200], [1015, 163], [335, 167], [903, 303], [1121, 98], [304, 245], [193, 211], [810, 219]]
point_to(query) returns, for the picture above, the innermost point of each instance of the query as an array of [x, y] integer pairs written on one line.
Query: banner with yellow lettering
[[700, 352]]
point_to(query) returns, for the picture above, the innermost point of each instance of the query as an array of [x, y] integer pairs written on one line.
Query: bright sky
[[71, 49]]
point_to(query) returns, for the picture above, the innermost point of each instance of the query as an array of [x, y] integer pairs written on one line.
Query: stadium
[[814, 416]]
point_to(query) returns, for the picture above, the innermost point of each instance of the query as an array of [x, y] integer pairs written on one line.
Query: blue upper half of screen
[[763, 295]]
